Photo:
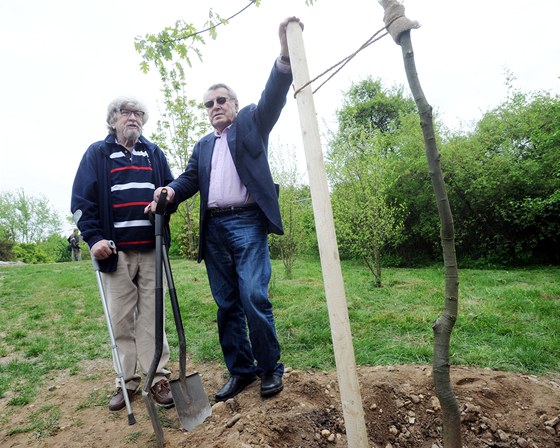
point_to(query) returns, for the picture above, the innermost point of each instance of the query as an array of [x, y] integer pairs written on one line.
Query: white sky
[[63, 61]]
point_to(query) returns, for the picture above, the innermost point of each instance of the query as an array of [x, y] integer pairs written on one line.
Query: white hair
[[124, 102]]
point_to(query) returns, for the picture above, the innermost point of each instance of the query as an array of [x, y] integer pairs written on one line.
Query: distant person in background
[[115, 181], [74, 246]]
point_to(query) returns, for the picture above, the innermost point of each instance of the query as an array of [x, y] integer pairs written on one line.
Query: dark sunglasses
[[220, 100]]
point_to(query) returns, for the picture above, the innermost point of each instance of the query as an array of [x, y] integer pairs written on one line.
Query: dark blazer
[[248, 143]]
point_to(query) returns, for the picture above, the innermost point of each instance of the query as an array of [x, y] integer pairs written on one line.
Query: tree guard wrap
[[395, 20]]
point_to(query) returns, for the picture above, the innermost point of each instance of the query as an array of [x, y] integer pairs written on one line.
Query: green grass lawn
[[51, 318]]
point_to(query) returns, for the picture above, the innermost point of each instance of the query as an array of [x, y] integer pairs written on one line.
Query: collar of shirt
[[224, 132]]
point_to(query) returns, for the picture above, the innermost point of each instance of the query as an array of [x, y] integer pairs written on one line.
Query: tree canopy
[[27, 219]]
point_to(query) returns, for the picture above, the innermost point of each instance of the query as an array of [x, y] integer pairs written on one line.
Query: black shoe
[[270, 384], [234, 385]]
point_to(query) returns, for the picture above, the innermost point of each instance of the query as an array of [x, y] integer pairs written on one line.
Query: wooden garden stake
[[328, 250]]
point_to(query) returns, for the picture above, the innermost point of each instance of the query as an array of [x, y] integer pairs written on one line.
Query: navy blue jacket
[[248, 144], [91, 192]]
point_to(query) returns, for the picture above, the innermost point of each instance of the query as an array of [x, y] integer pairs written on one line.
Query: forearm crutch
[[114, 348]]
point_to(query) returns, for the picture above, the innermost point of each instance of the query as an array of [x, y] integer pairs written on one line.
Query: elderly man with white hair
[[115, 181]]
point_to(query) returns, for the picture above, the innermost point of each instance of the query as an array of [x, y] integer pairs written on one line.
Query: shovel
[[191, 401], [148, 399]]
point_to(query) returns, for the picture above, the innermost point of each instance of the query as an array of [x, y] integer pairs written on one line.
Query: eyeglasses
[[219, 100], [128, 113]]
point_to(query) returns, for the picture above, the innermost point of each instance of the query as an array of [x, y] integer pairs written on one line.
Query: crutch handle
[[94, 260]]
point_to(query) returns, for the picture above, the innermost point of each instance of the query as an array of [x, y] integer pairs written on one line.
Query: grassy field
[[51, 318]]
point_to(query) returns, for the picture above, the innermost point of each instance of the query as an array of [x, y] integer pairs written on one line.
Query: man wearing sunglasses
[[238, 208]]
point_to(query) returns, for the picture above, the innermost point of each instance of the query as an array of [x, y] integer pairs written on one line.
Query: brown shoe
[[162, 394], [117, 400]]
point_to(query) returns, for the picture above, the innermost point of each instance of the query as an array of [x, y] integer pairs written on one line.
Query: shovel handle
[[176, 314], [159, 308], [162, 202]]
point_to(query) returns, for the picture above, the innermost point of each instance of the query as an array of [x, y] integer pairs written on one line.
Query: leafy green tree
[[361, 171], [370, 106], [182, 123], [30, 253], [310, 244], [420, 238], [366, 221], [28, 219], [505, 179], [56, 248], [177, 44], [6, 245], [295, 204]]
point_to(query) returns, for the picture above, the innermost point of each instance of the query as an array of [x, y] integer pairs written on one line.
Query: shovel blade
[[191, 402], [156, 424]]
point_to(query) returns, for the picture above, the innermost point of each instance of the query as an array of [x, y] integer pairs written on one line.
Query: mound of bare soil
[[499, 409]]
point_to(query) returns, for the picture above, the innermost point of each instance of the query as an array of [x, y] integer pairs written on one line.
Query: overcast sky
[[63, 61]]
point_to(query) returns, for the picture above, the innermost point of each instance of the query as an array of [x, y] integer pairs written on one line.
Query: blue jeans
[[238, 266]]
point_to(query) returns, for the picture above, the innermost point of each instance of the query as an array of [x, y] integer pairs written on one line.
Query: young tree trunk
[[377, 255], [443, 326]]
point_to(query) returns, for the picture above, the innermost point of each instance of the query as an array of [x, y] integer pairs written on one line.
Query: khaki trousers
[[130, 294]]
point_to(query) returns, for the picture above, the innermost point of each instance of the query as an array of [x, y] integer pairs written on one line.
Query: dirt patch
[[499, 409]]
